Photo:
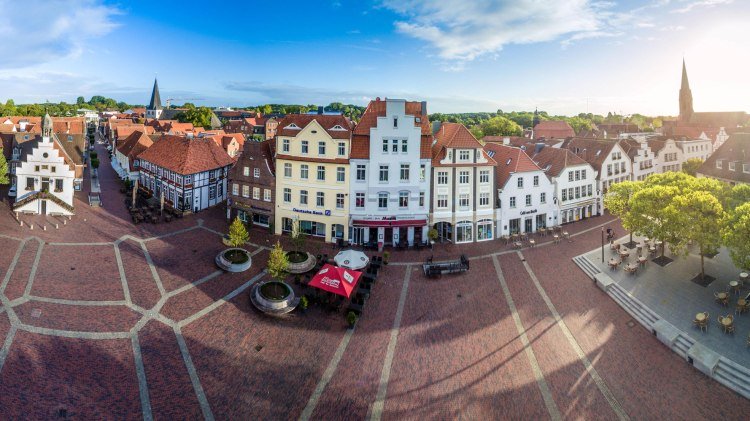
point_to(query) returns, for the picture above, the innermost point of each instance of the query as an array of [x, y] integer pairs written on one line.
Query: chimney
[[321, 110], [424, 108], [506, 140]]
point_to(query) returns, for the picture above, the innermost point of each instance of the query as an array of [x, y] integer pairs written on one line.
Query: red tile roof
[[186, 156], [509, 160], [325, 121], [553, 128], [454, 135], [369, 119], [134, 145], [553, 160]]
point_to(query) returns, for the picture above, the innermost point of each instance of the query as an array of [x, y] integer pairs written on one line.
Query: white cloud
[[39, 31], [690, 5], [464, 30]]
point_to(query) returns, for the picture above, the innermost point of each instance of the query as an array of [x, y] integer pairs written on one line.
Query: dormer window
[[337, 127], [293, 127], [463, 155]]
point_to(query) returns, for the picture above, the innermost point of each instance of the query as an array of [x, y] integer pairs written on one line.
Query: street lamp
[[602, 244]]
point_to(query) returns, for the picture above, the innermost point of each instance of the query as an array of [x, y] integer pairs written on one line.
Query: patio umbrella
[[135, 191], [337, 280], [351, 259]]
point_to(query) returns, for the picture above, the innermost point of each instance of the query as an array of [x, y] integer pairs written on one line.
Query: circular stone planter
[[300, 267], [237, 265], [261, 295]]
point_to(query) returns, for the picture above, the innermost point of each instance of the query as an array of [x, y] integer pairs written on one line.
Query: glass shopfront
[[484, 230], [464, 232]]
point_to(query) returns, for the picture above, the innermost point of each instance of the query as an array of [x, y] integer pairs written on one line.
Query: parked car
[[12, 191]]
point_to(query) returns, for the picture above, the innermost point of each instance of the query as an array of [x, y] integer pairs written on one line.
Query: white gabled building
[[642, 158], [701, 147], [525, 196], [574, 181], [390, 164], [190, 173], [463, 179], [44, 175], [126, 153], [668, 156], [607, 158]]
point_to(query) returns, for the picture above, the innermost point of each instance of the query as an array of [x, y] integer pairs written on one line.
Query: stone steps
[[634, 307], [586, 266], [733, 376], [682, 345]]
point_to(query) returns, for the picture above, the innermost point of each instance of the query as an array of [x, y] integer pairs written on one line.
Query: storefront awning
[[397, 223]]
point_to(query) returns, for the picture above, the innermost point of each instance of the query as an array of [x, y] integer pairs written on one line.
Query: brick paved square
[[20, 276], [8, 247], [89, 379], [77, 318], [184, 258], [78, 273], [170, 390], [141, 284], [273, 382]]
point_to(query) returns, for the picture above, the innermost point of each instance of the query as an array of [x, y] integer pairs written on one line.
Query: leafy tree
[[10, 107], [80, 101], [500, 126], [736, 235], [4, 179], [267, 109], [200, 117], [698, 214], [477, 132], [619, 199], [652, 214], [736, 196], [278, 263], [691, 166], [238, 235], [579, 124], [298, 237]]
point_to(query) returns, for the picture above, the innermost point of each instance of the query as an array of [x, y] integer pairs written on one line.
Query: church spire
[[686, 96], [155, 103]]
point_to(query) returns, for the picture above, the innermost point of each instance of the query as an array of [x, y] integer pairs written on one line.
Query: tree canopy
[[691, 166], [500, 126], [200, 117]]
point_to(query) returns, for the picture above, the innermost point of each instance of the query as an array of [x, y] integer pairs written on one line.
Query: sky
[[564, 57]]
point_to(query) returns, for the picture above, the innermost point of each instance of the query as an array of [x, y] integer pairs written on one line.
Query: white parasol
[[351, 259]]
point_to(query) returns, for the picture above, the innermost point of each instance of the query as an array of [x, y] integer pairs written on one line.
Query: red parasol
[[337, 280]]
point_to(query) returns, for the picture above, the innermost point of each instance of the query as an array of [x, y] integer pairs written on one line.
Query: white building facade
[[390, 165], [463, 180], [525, 196], [44, 178]]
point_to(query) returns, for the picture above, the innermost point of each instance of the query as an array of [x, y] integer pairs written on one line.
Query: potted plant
[[351, 319], [236, 258], [386, 256], [432, 234]]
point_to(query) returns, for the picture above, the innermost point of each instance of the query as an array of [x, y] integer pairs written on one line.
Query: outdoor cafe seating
[[727, 323], [631, 268], [613, 263], [701, 320], [742, 306], [722, 298], [734, 286]]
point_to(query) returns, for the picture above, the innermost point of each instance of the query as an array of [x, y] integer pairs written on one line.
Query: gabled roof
[[553, 128], [377, 108], [593, 151], [509, 160], [735, 149], [455, 136], [328, 122], [186, 156], [631, 147], [554, 160], [134, 145]]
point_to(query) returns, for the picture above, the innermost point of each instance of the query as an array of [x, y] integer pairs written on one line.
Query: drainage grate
[[258, 347], [36, 313], [630, 323]]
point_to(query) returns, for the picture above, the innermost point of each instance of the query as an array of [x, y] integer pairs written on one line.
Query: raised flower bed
[[273, 297], [234, 260], [300, 262]]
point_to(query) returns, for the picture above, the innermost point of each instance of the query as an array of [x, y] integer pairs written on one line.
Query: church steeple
[[686, 97], [154, 108]]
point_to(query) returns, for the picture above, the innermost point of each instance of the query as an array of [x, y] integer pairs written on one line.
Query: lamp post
[[602, 244]]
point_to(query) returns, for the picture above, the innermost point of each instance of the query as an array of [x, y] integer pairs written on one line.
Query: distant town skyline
[[566, 58]]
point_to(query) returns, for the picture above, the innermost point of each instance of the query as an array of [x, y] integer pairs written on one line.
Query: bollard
[[31, 226], [57, 226], [44, 228], [20, 222], [65, 222]]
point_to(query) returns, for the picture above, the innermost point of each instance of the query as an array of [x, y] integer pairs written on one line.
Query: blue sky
[[564, 57]]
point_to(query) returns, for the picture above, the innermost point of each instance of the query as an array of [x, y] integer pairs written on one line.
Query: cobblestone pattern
[[86, 273], [170, 391], [242, 382], [76, 317], [141, 285], [87, 379], [19, 278]]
